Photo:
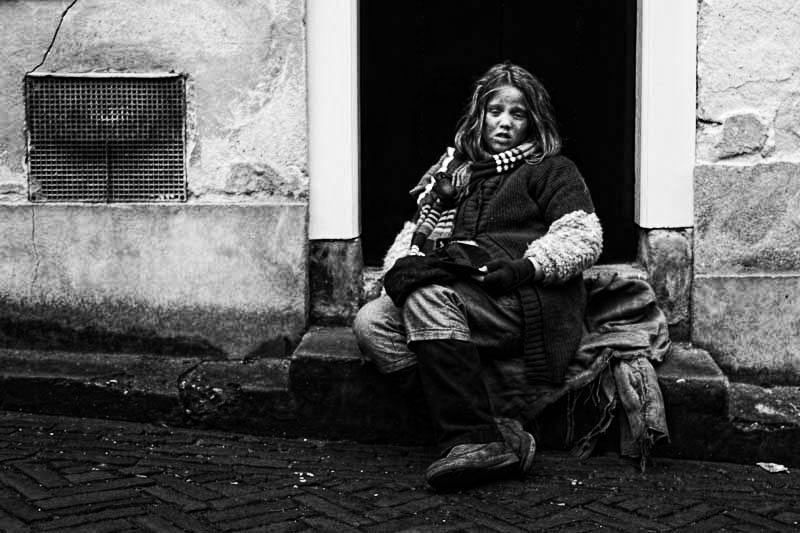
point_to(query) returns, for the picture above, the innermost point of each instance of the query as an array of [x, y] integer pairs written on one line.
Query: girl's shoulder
[[558, 162], [551, 167]]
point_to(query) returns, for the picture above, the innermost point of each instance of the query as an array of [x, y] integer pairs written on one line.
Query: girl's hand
[[479, 278], [504, 275]]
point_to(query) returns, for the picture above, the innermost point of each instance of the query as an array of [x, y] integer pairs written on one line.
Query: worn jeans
[[445, 326], [462, 311]]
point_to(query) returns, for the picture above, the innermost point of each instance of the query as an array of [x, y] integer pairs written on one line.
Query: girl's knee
[[381, 336], [436, 295], [363, 322], [434, 305], [373, 318]]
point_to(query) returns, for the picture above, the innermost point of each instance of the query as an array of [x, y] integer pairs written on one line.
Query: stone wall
[[225, 272], [746, 310], [666, 255]]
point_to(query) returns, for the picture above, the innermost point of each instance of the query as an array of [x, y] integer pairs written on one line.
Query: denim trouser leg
[[461, 312]]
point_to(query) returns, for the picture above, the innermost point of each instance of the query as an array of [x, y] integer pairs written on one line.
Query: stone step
[[182, 391], [364, 408], [326, 390], [342, 396], [767, 406]]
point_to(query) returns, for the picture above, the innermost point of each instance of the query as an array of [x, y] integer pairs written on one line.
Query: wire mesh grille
[[106, 139]]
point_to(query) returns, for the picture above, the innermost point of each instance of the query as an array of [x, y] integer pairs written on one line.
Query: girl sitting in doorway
[[484, 294]]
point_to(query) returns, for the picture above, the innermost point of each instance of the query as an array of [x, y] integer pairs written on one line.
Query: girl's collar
[[504, 161], [511, 158]]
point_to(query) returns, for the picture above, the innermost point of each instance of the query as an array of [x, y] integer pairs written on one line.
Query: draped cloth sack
[[626, 334]]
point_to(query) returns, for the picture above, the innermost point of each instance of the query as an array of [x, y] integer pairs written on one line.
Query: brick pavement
[[70, 474]]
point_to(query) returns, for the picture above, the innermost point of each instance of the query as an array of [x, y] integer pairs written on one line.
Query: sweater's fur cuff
[[399, 248], [571, 245]]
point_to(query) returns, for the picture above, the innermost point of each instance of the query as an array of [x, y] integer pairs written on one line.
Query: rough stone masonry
[[747, 189]]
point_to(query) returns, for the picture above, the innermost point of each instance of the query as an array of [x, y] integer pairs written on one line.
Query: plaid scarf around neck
[[446, 184]]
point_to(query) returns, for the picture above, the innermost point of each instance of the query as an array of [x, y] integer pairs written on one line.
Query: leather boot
[[451, 376]]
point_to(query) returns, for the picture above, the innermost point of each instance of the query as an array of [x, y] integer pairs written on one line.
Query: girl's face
[[505, 120]]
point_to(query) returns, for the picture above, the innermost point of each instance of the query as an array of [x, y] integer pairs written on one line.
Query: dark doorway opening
[[417, 65]]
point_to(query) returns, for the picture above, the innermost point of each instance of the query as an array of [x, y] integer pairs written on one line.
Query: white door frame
[[332, 40], [665, 115]]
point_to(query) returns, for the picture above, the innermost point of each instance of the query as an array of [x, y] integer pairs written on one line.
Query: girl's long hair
[[542, 131]]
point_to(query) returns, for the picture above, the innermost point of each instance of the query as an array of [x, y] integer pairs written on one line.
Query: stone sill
[[750, 275]]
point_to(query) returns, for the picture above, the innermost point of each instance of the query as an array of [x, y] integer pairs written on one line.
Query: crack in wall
[[55, 34], [36, 256]]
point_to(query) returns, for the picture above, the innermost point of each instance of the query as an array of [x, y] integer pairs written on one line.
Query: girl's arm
[[571, 245], [574, 239]]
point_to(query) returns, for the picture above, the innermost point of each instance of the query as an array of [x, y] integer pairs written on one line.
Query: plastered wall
[[224, 274], [245, 61]]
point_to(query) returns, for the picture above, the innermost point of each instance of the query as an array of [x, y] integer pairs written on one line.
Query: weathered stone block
[[122, 386], [335, 268], [773, 405], [746, 218], [750, 324], [623, 270], [741, 134], [237, 395], [787, 124], [695, 395], [746, 56], [232, 279], [667, 256], [692, 382]]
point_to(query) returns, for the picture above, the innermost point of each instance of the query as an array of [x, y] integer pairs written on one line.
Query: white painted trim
[[665, 113], [332, 37]]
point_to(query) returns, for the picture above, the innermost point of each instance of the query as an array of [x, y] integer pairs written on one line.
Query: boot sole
[[448, 476]]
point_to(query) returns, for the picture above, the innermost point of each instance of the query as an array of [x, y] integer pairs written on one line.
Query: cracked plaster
[[208, 274], [26, 28], [748, 66]]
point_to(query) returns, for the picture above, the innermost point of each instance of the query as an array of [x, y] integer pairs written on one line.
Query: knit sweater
[[543, 211]]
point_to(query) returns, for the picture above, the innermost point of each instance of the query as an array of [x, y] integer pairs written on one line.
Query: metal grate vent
[[106, 138]]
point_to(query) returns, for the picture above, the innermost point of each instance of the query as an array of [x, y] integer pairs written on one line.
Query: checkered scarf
[[435, 216]]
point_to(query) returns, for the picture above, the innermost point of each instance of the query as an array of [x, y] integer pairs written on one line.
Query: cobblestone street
[[61, 474]]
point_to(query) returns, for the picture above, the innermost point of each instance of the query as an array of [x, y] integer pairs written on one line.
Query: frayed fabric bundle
[[613, 371]]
